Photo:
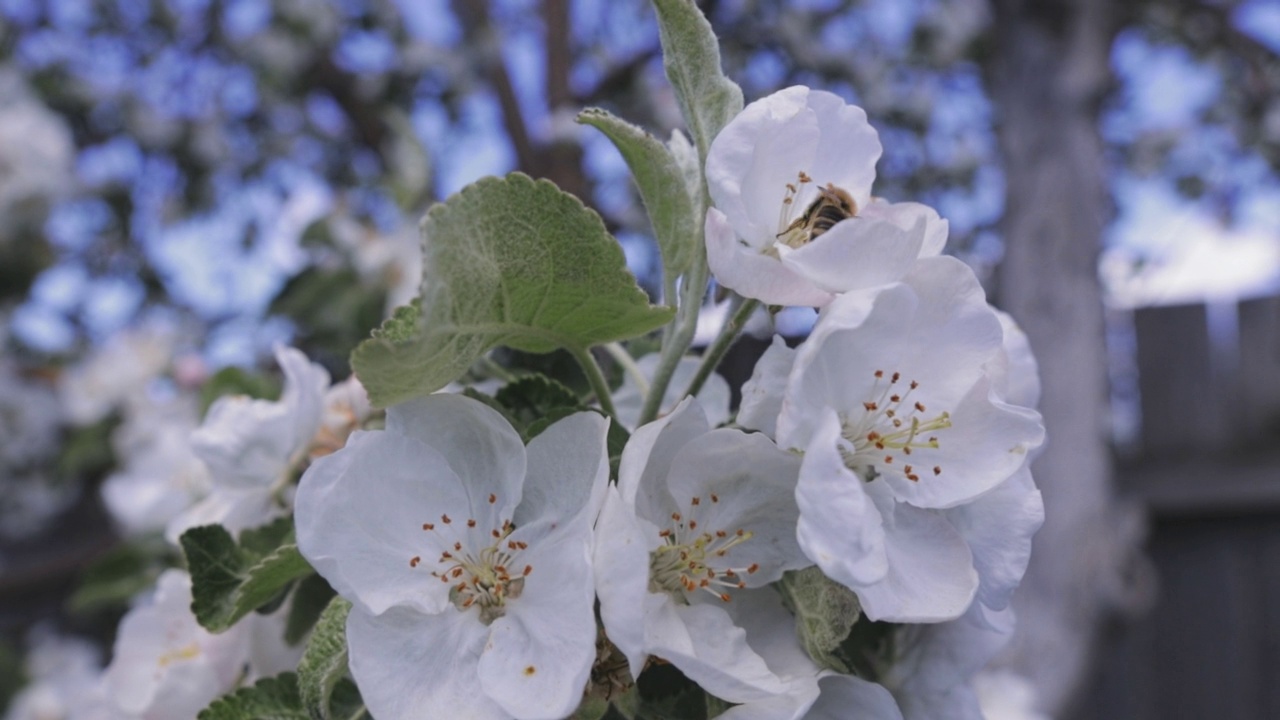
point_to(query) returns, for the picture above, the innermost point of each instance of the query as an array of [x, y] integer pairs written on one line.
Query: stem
[[677, 343], [628, 363], [596, 377], [493, 368], [728, 334]]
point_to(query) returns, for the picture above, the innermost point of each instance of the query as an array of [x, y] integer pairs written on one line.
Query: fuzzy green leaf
[[273, 698], [310, 598], [825, 611], [230, 580], [324, 662], [663, 187], [507, 261], [691, 56]]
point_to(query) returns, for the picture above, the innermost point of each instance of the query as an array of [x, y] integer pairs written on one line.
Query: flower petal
[[410, 666], [840, 528], [568, 470], [360, 515], [539, 655], [705, 644], [762, 394], [905, 215], [845, 696], [744, 482], [856, 253], [931, 576], [647, 458], [746, 270], [998, 527], [479, 444], [621, 560]]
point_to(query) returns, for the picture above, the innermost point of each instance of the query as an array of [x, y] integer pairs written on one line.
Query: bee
[[832, 205]]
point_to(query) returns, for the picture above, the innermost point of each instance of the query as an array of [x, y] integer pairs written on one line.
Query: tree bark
[[1048, 75]]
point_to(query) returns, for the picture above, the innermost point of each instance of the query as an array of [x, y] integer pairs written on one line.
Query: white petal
[[987, 442], [1015, 373], [747, 271], [845, 696], [479, 444], [932, 679], [568, 470], [411, 666], [754, 157], [840, 527], [235, 510], [762, 394], [305, 386], [754, 483], [245, 442], [771, 632], [704, 643], [848, 147], [931, 576], [646, 460], [539, 655], [998, 527], [857, 253], [905, 215], [360, 515], [621, 560]]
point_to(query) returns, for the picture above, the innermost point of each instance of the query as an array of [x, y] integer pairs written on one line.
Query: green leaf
[[691, 56], [825, 611], [663, 187], [324, 662], [310, 599], [507, 261], [533, 397], [230, 580], [277, 698], [273, 698]]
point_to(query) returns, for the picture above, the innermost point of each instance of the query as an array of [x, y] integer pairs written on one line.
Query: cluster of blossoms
[[890, 450], [845, 545], [235, 468]]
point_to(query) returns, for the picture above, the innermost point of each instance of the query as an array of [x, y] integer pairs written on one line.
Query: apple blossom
[[252, 448], [697, 515], [893, 399], [794, 222], [466, 557], [164, 664]]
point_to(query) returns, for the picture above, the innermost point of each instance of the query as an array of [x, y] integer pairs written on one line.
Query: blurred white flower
[[466, 556], [37, 152], [114, 373], [62, 674], [252, 448], [159, 475], [164, 665], [1006, 695], [794, 222]]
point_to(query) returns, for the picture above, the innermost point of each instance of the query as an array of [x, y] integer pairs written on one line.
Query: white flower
[[63, 673], [794, 222], [466, 557], [346, 406], [1006, 695], [697, 515], [164, 665], [893, 399], [160, 475], [932, 675], [714, 395], [115, 373], [252, 448]]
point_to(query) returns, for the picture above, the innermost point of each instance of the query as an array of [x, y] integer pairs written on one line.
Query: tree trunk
[[1049, 72]]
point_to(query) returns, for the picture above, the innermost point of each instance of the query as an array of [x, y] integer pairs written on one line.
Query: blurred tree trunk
[[1048, 75]]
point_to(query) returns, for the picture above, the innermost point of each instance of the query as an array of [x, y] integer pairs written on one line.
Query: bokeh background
[[184, 183]]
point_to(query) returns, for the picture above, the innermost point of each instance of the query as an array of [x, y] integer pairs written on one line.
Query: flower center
[[692, 557], [832, 205], [890, 425], [486, 578]]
